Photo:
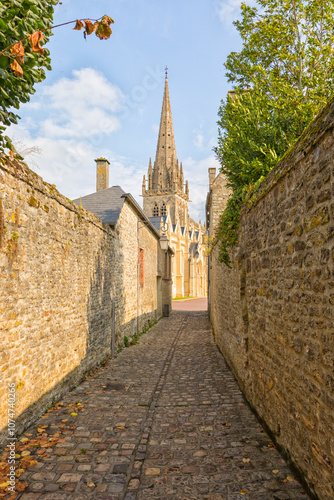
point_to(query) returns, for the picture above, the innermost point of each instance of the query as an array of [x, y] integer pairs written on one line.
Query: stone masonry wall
[[60, 268], [273, 312], [129, 233]]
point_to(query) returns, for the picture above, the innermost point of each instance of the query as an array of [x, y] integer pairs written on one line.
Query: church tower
[[164, 191]]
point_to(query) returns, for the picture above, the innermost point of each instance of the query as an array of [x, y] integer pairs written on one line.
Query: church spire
[[166, 176], [165, 159]]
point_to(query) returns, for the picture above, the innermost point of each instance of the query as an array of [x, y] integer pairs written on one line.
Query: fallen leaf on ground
[[243, 492], [246, 460]]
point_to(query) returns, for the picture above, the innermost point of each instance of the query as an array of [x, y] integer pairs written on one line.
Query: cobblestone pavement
[[164, 420]]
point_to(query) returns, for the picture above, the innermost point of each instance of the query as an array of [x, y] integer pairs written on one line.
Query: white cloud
[[81, 104], [71, 122], [198, 141], [197, 174], [229, 10]]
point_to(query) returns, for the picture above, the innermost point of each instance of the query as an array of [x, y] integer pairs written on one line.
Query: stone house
[[166, 198], [146, 280]]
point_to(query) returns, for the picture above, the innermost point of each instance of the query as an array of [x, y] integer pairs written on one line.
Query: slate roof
[[156, 221], [106, 204]]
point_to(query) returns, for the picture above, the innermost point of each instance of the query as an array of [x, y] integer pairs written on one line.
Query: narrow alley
[[164, 420]]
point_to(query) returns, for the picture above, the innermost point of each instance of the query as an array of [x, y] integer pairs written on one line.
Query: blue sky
[[104, 98]]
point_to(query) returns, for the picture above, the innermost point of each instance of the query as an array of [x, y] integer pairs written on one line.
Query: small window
[[163, 211], [155, 210]]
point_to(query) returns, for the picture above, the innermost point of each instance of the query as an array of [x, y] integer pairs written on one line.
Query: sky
[[104, 97]]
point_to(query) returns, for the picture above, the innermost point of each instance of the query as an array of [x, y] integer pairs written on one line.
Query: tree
[[287, 63], [19, 18], [282, 77], [25, 26]]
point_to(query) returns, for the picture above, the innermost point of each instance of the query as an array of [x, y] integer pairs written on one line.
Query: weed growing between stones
[[135, 338]]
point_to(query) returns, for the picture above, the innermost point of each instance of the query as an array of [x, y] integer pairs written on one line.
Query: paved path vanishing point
[[190, 304], [164, 420]]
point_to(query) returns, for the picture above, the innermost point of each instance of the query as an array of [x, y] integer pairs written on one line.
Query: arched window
[[163, 211], [155, 210]]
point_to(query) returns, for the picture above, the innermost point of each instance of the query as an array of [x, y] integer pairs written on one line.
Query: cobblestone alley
[[164, 420]]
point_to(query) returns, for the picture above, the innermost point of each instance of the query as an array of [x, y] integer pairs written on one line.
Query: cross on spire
[[166, 70]]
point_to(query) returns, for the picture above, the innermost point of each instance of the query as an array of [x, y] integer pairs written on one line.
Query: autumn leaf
[[18, 51], [89, 27], [18, 71], [107, 19], [21, 486], [78, 25], [102, 29], [35, 39], [243, 492]]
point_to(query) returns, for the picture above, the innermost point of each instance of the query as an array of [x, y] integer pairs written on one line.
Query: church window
[[163, 211], [155, 210]]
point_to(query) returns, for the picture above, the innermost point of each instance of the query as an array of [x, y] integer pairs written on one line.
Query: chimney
[[102, 174], [212, 176]]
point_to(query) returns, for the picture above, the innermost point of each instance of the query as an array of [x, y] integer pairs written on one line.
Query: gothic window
[[163, 211], [155, 210]]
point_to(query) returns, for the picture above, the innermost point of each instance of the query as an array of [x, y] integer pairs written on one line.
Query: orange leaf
[[21, 486], [102, 29], [89, 27], [107, 20], [35, 40], [18, 51], [18, 71], [78, 25]]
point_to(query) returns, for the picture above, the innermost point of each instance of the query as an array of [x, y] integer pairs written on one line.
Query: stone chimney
[[212, 176], [102, 174]]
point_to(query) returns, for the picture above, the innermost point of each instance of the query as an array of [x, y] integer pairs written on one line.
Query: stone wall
[[132, 238], [273, 312], [60, 270]]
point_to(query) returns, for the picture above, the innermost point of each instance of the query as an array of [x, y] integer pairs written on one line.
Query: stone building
[[166, 197], [146, 266]]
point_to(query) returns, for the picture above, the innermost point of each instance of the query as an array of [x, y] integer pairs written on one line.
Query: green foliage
[[19, 19], [282, 77], [126, 341], [229, 223]]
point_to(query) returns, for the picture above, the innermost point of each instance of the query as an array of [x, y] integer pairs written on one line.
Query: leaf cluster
[[18, 19], [282, 77]]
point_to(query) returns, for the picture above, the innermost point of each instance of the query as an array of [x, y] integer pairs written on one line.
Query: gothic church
[[166, 197]]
